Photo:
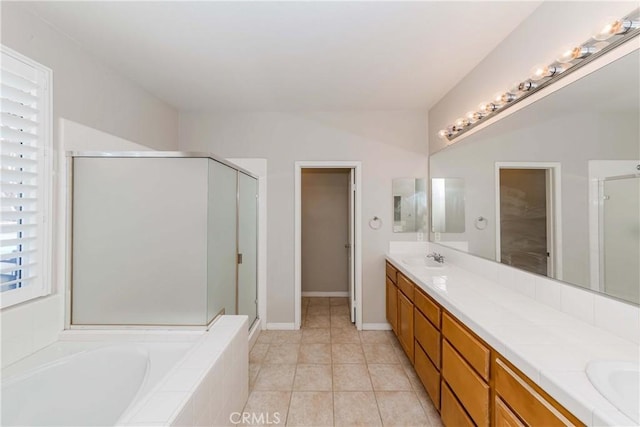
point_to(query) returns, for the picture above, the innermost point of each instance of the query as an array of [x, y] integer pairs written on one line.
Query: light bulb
[[471, 116], [487, 107], [527, 85], [478, 115], [514, 87], [507, 97], [546, 71], [615, 26], [462, 123], [577, 52], [443, 134]]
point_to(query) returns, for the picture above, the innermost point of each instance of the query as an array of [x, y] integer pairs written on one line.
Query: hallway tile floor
[[329, 374]]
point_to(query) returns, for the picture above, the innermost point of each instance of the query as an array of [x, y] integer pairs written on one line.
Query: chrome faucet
[[436, 257]]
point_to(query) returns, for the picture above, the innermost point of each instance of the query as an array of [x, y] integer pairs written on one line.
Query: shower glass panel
[[247, 246], [156, 238], [221, 257], [139, 250], [621, 237]]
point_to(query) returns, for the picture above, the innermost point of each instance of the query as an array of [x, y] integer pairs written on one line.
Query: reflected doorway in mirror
[[528, 234]]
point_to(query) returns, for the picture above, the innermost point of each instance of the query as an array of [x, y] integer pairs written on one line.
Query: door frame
[[357, 259], [554, 205]]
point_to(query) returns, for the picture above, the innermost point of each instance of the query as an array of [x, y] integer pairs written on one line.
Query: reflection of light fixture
[[571, 59], [616, 27], [577, 52]]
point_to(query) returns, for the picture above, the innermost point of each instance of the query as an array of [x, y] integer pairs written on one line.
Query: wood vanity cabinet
[[405, 315], [465, 369], [392, 297], [427, 344], [525, 401], [468, 381], [392, 305], [504, 417]]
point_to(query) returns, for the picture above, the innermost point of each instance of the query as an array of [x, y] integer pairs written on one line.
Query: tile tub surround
[[550, 346], [328, 373], [206, 386]]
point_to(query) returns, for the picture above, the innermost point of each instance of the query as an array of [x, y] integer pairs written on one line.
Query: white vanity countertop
[[550, 347]]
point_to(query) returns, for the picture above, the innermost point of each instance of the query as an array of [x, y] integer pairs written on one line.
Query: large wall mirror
[[554, 188]]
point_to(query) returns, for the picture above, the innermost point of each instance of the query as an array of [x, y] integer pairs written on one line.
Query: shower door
[[221, 236], [247, 246], [620, 237]]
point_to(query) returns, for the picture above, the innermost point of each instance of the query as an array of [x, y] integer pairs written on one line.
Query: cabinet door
[[504, 416], [392, 305], [248, 246], [532, 407], [428, 336], [451, 412], [405, 324], [467, 385], [428, 374]]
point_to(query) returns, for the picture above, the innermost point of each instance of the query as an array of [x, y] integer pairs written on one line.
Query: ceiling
[[266, 56]]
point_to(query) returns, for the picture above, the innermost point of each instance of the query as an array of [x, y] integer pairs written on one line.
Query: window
[[25, 178]]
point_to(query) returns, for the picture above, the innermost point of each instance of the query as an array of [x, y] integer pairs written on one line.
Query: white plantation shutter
[[25, 178]]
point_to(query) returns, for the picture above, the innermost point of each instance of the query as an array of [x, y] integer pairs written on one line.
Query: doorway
[[528, 217], [327, 234], [326, 241]]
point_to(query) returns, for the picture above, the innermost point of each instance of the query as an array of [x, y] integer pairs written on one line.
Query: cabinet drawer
[[467, 385], [504, 416], [428, 336], [392, 273], [406, 286], [451, 412], [478, 356], [405, 325], [429, 375], [429, 308], [533, 408], [392, 305]]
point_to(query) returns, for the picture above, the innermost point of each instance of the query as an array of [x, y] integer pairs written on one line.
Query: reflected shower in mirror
[[409, 205], [558, 183], [447, 205]]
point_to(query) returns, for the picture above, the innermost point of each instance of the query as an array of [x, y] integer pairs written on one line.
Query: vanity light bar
[[610, 36]]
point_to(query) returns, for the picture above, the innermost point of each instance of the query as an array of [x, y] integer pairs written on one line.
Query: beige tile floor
[[329, 374]]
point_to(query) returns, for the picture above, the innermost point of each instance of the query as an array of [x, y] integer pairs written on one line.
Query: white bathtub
[[88, 388], [143, 378]]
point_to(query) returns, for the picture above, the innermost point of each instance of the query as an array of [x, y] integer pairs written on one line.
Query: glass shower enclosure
[[161, 239]]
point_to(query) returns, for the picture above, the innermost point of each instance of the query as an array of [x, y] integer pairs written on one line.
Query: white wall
[[35, 324], [389, 144], [86, 91], [538, 40]]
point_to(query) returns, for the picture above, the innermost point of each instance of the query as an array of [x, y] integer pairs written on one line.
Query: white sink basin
[[422, 261], [619, 383]]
